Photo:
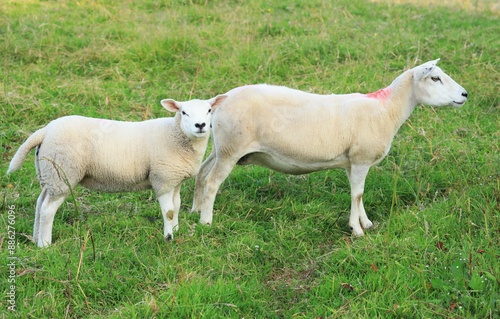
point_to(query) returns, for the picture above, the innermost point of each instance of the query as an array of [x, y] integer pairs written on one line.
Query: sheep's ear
[[171, 105], [425, 69], [216, 101]]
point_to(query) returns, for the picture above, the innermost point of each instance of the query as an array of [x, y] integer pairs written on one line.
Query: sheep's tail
[[33, 141]]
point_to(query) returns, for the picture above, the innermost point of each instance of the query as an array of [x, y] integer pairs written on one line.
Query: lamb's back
[[109, 155]]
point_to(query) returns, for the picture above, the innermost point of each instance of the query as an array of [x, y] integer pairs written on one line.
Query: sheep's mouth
[[459, 103]]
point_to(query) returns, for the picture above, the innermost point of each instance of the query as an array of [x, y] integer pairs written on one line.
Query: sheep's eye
[[435, 79], [209, 110], [184, 113]]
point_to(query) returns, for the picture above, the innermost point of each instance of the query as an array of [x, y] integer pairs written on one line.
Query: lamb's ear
[[425, 69], [216, 101], [171, 105]]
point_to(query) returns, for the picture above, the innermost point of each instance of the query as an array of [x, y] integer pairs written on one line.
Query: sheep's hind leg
[[169, 214], [205, 168], [47, 207], [219, 172], [357, 176]]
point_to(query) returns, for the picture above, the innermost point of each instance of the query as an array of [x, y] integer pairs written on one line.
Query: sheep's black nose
[[464, 94], [200, 126]]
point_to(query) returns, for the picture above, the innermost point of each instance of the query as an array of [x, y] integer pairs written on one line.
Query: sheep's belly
[[292, 166], [114, 186]]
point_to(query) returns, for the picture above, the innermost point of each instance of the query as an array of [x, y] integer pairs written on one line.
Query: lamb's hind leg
[[357, 176], [46, 209], [36, 225], [205, 169]]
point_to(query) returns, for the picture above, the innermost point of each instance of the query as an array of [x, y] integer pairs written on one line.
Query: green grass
[[280, 246]]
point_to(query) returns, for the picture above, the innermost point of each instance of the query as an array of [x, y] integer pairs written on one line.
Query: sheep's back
[[291, 124]]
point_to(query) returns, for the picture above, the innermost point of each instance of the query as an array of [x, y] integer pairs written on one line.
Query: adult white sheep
[[114, 156], [298, 133]]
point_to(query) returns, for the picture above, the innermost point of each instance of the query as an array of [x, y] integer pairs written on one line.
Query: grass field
[[280, 246]]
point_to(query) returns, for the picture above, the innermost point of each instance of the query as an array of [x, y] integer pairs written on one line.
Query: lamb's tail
[[34, 140]]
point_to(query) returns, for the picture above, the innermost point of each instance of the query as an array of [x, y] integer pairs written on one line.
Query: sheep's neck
[[381, 94], [399, 100]]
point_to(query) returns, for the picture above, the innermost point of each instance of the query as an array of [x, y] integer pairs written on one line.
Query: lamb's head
[[435, 88], [195, 114]]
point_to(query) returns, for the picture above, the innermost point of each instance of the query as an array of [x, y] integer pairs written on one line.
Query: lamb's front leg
[[357, 176], [177, 207], [169, 213]]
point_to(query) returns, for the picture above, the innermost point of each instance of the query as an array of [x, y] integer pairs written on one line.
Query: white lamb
[[114, 156], [298, 133]]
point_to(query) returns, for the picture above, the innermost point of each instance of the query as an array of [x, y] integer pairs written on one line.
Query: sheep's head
[[435, 88], [195, 114]]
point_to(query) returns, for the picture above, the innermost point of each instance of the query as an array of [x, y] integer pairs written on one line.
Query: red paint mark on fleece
[[381, 94]]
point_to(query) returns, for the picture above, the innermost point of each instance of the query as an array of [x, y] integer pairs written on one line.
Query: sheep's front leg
[[46, 208], [169, 213], [357, 176]]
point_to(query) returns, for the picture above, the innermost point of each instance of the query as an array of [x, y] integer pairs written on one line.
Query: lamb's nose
[[464, 94], [200, 126]]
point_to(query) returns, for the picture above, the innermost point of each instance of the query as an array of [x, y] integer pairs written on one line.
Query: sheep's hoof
[[357, 233], [367, 225], [194, 209], [204, 219], [169, 237]]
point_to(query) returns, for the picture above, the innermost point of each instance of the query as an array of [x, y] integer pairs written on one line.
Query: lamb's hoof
[[169, 237], [43, 244]]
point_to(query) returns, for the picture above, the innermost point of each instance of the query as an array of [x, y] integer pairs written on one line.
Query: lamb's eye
[[209, 110], [435, 78], [184, 113]]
